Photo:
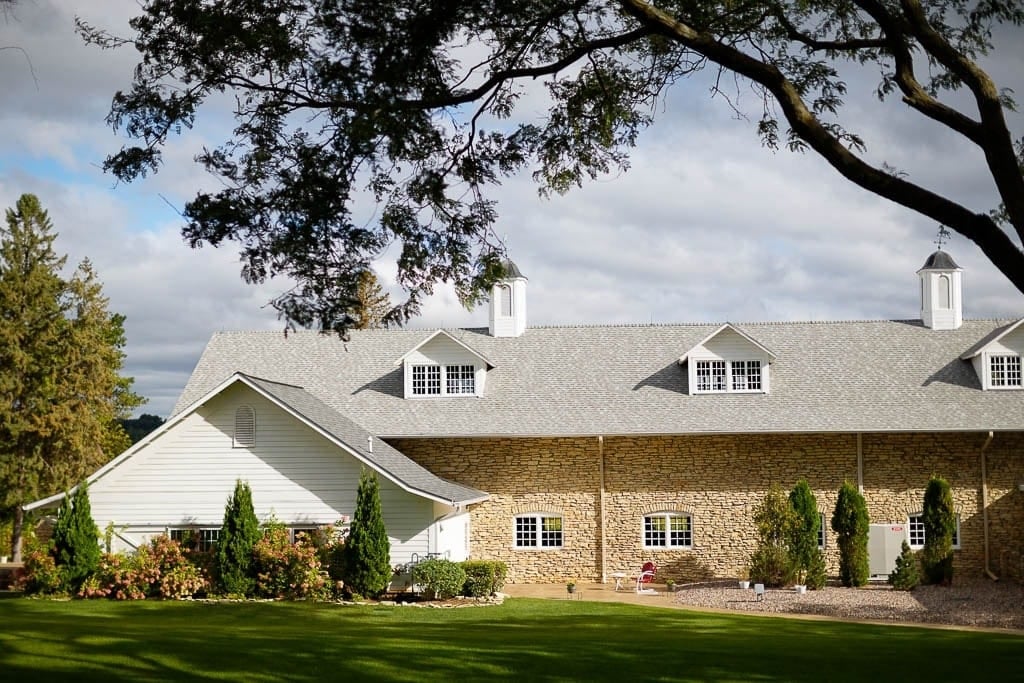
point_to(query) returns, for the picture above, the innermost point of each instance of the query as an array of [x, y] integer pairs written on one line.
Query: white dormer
[[728, 361], [508, 304], [442, 365], [941, 292], [997, 357]]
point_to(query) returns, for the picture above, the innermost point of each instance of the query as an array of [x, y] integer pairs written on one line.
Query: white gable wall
[[1011, 344], [184, 477]]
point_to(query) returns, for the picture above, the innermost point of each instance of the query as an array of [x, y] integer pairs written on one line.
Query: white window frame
[[822, 537], [915, 528], [206, 537], [433, 380], [672, 538], [1010, 371], [529, 532], [294, 531], [720, 376]]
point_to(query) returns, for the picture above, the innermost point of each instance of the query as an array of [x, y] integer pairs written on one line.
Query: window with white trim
[[245, 427], [1004, 371], [201, 540], [728, 376], [307, 532], [668, 530], [458, 380], [821, 531], [538, 531], [916, 536]]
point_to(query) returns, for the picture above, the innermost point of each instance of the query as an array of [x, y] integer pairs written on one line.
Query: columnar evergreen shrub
[[775, 519], [366, 555], [443, 578], [76, 539], [939, 520], [906, 576], [803, 538], [236, 572], [483, 577], [850, 523]]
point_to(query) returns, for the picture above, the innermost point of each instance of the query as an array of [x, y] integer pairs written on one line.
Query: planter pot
[[744, 585], [571, 589], [800, 589]]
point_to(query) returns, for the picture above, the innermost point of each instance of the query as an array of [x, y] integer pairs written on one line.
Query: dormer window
[[725, 376], [1004, 372], [458, 380]]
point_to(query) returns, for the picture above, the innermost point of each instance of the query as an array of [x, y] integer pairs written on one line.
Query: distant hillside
[[142, 425]]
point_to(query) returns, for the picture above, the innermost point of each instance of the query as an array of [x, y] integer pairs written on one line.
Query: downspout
[[984, 503], [600, 464], [860, 463]]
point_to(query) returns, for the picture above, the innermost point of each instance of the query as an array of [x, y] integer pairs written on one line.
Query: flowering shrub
[[159, 569], [41, 574], [286, 570]]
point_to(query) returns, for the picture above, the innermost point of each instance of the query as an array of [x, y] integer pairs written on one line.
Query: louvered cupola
[[941, 292], [508, 304]]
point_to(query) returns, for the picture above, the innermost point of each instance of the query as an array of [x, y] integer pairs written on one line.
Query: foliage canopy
[[332, 110], [851, 524]]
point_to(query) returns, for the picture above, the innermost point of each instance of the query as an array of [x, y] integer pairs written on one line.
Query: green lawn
[[520, 640]]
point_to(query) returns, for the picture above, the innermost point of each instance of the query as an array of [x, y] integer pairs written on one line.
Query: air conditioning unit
[[885, 542]]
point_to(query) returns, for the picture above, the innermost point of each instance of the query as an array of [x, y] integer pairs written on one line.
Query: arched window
[[245, 427], [505, 297], [945, 295], [668, 530]]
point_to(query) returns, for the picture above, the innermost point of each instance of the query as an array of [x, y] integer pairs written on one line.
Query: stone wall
[[718, 480]]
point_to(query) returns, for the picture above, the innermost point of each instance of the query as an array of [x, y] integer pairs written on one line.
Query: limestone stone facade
[[603, 486]]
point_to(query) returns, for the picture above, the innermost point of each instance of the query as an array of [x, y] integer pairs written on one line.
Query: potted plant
[[744, 579], [570, 587], [670, 585]]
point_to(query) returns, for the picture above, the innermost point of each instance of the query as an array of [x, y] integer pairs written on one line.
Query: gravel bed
[[967, 603]]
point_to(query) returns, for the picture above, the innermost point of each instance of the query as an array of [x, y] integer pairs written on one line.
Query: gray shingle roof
[[863, 376], [383, 457], [939, 260]]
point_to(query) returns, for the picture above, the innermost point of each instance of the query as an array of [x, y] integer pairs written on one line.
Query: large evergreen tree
[[803, 543], [850, 522], [422, 107], [939, 519], [60, 357], [236, 568], [366, 555], [76, 540]]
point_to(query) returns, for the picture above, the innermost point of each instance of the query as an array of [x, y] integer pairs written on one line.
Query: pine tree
[[803, 542], [905, 576], [76, 540], [238, 536], [939, 519], [372, 302], [60, 354], [850, 523], [366, 555]]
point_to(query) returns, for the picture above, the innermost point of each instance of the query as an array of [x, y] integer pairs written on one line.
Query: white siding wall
[[186, 475], [1011, 344]]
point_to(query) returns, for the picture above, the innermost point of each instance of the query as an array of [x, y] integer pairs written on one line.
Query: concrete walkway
[[595, 592]]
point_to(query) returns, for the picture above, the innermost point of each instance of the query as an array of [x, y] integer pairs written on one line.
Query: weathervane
[[943, 236]]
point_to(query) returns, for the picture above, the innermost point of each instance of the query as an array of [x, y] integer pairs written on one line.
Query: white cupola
[[941, 292], [508, 304]]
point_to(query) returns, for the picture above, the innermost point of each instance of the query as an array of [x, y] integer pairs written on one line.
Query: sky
[[705, 226]]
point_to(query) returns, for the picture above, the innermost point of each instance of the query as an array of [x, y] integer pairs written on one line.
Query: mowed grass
[[523, 639]]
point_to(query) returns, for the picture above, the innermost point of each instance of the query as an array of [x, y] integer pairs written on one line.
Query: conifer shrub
[[803, 537], [76, 540], [850, 523], [236, 571], [817, 575], [906, 576], [483, 577], [939, 520], [775, 520], [441, 578], [365, 557]]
